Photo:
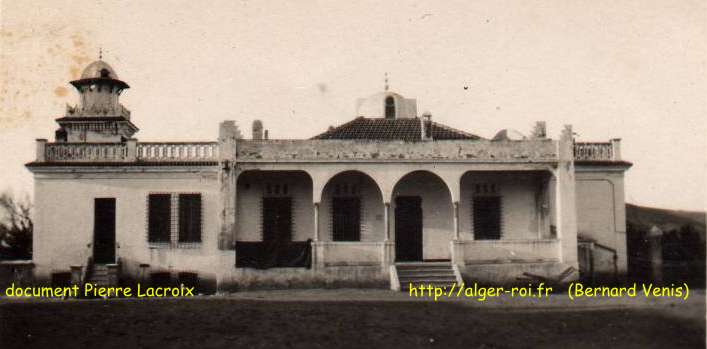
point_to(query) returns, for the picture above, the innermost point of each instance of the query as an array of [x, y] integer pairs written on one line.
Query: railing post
[[41, 150], [131, 155], [616, 149]]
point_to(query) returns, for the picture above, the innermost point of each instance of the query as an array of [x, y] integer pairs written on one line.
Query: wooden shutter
[[487, 218], [189, 217], [346, 213], [277, 219], [159, 212]]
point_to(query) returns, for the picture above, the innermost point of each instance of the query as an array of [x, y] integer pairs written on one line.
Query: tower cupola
[[99, 89], [99, 116]]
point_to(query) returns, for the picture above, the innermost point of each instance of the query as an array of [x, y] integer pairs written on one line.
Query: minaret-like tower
[[99, 116]]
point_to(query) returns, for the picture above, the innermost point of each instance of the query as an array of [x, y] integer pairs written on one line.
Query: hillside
[[645, 217]]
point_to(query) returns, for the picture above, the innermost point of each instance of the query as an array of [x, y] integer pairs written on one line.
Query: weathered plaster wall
[[523, 195], [64, 205], [481, 150], [601, 213], [251, 189]]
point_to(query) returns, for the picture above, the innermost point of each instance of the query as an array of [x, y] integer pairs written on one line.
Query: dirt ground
[[350, 319]]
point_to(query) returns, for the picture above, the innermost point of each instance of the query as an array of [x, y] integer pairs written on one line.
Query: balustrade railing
[[86, 152], [129, 151], [171, 151], [594, 151]]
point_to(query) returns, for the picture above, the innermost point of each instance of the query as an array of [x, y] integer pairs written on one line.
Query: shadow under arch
[[254, 187], [423, 217], [351, 208]]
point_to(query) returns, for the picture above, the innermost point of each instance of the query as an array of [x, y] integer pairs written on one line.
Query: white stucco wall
[[250, 191], [601, 213], [64, 218], [374, 106], [522, 196]]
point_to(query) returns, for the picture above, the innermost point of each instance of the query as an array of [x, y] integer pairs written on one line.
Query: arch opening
[[389, 107], [274, 206], [351, 208], [423, 217]]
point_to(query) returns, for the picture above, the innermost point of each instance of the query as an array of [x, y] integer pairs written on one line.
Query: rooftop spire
[[386, 81], [100, 53]]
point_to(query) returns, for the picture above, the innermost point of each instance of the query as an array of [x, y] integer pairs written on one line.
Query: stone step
[[444, 286], [423, 266], [426, 272], [428, 281], [436, 274]]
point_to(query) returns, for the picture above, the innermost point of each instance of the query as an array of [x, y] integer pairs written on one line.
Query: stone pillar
[[143, 277], [457, 247], [76, 273], [386, 220], [616, 149], [316, 221], [318, 252], [41, 150], [456, 220], [388, 250], [228, 135], [566, 211], [132, 150], [655, 236], [113, 274]]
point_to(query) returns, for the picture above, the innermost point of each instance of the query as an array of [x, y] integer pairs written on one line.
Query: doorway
[[408, 228], [104, 231]]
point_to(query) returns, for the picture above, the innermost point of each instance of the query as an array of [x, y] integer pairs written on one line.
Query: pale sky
[[635, 70]]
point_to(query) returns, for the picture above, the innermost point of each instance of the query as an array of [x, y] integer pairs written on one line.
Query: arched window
[[105, 73], [389, 108]]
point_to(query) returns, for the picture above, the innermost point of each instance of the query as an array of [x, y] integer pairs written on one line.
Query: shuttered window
[[277, 219], [487, 217], [189, 217], [346, 213], [159, 217]]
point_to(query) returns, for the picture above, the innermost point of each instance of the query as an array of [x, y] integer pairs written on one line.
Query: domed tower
[[99, 116], [387, 104]]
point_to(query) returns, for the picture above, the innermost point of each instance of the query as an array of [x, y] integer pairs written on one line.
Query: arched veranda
[[423, 223], [351, 209]]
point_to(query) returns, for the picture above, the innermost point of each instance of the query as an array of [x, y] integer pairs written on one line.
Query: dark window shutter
[[487, 218], [277, 219], [346, 213], [189, 217], [159, 211]]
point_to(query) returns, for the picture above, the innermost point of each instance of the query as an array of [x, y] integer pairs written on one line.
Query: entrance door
[[277, 219], [104, 231], [408, 228]]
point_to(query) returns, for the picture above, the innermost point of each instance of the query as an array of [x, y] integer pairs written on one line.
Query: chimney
[[426, 123], [257, 130], [539, 130], [266, 135]]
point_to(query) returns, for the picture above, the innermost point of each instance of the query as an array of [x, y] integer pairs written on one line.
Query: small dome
[[379, 104], [99, 69], [508, 135]]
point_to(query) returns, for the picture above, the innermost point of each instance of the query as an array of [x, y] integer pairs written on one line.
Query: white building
[[377, 200]]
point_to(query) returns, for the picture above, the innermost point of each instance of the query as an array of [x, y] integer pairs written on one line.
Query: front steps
[[437, 274], [102, 276]]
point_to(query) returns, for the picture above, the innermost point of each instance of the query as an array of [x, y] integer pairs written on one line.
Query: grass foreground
[[263, 322]]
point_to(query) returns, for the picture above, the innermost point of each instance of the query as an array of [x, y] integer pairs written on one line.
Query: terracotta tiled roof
[[405, 129]]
